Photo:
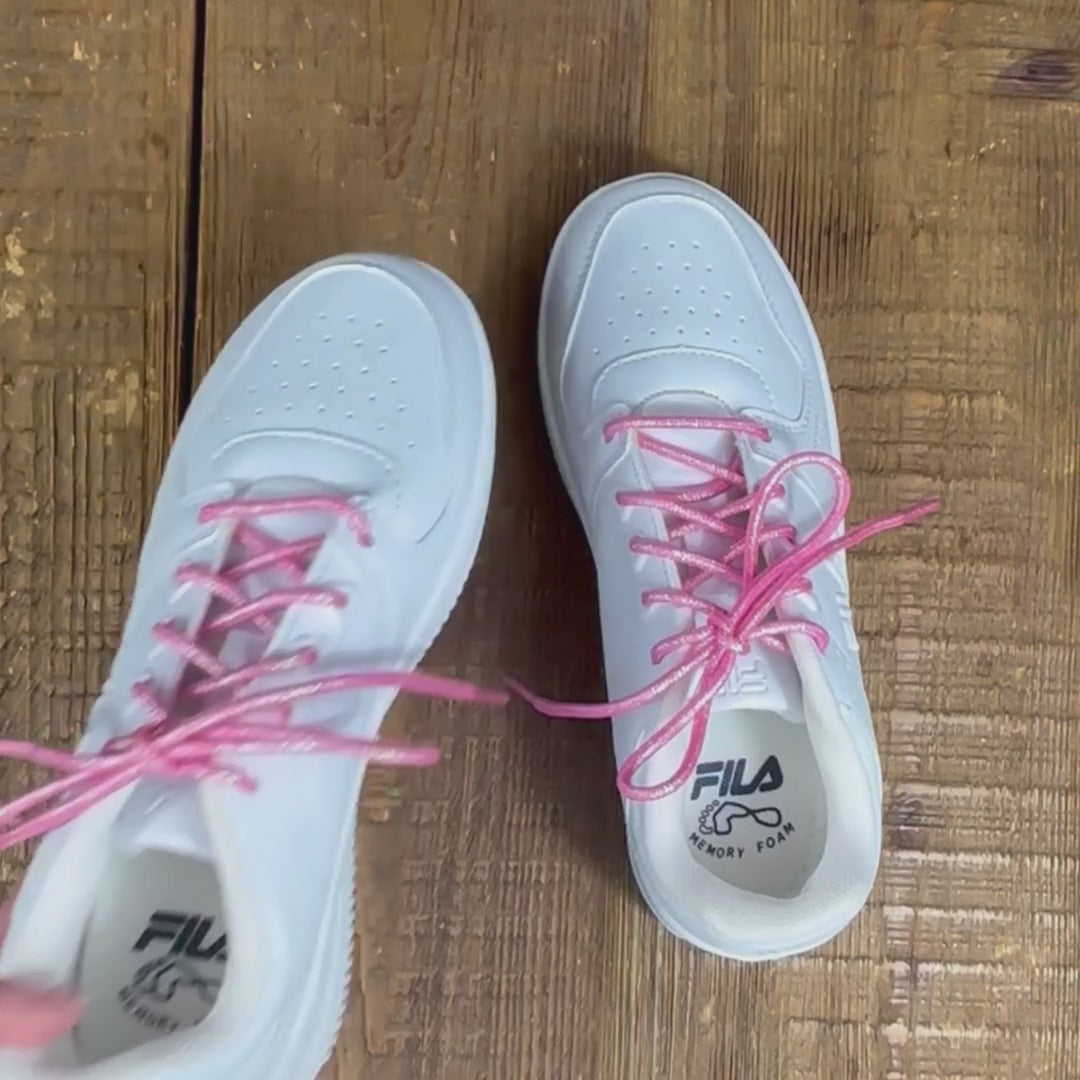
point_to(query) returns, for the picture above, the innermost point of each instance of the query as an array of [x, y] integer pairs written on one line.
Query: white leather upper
[[664, 297], [368, 377]]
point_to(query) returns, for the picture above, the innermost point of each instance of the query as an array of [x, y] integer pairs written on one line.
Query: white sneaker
[[680, 370], [198, 892]]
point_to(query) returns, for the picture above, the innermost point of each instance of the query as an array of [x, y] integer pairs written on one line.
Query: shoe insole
[[754, 812], [154, 954]]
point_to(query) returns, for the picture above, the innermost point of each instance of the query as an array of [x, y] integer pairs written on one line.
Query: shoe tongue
[[762, 679], [163, 817], [718, 446], [765, 681]]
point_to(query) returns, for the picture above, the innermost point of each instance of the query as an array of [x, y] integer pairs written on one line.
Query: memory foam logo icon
[[188, 934], [729, 778], [718, 818]]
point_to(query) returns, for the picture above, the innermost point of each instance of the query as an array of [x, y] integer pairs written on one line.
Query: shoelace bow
[[177, 744], [709, 649]]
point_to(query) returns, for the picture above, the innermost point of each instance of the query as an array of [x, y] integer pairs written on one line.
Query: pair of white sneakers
[[315, 525]]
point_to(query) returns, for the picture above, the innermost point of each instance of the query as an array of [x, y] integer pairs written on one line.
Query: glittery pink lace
[[720, 505], [184, 741]]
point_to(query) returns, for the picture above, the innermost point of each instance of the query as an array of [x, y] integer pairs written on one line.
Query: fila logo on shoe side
[[729, 777], [188, 934]]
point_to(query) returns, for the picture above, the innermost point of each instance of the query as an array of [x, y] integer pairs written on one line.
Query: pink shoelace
[[184, 740], [721, 505]]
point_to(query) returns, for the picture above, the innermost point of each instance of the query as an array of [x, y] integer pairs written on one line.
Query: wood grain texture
[[94, 155], [916, 162]]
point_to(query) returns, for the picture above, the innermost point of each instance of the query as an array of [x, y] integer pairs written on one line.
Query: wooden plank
[[94, 107], [915, 161]]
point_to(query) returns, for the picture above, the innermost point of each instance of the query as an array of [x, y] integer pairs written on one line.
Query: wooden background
[[164, 163]]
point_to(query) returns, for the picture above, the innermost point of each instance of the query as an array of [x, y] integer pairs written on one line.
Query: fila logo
[[188, 934], [730, 777], [746, 677]]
